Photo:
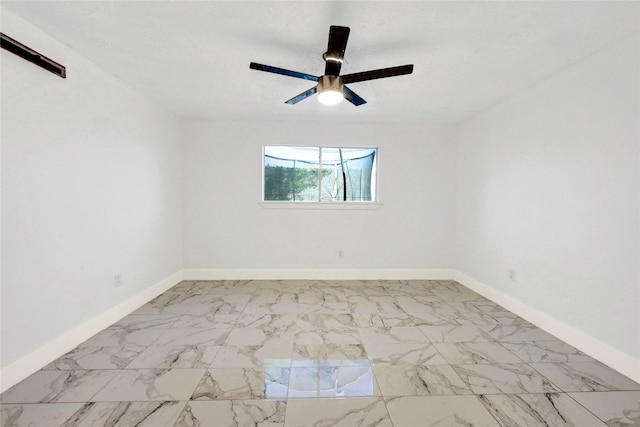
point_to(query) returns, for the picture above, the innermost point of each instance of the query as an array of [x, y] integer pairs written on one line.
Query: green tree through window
[[288, 183]]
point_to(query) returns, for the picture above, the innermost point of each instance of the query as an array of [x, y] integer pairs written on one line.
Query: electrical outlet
[[117, 280], [512, 275], [340, 254]]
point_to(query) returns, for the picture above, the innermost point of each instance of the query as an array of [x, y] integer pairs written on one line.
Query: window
[[319, 174]]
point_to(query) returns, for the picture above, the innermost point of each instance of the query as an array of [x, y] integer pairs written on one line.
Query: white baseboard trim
[[36, 360], [319, 274], [610, 356], [22, 368]]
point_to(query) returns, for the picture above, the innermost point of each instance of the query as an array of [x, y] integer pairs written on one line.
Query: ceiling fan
[[331, 87]]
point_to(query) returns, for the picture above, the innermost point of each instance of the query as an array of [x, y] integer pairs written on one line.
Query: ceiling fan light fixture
[[330, 86], [330, 90]]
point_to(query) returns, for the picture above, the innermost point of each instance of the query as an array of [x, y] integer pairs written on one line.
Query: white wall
[[545, 184], [90, 189], [225, 227], [548, 186]]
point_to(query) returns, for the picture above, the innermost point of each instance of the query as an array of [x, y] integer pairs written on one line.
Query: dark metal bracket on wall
[[31, 55]]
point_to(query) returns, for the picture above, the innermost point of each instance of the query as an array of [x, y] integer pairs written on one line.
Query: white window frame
[[325, 204]]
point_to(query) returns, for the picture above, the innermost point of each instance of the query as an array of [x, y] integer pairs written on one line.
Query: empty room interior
[[190, 236]]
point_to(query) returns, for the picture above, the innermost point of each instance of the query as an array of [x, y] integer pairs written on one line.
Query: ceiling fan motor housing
[[333, 56]]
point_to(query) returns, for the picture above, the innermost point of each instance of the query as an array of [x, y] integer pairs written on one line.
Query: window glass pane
[[348, 174], [291, 173]]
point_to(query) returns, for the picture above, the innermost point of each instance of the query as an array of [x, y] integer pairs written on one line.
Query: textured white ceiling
[[193, 56]]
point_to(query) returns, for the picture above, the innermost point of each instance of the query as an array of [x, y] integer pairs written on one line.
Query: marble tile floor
[[312, 353]]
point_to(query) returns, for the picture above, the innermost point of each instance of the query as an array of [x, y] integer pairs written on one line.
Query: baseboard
[[22, 368], [319, 274], [610, 356], [36, 360]]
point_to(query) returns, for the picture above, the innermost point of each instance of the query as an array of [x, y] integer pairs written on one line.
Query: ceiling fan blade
[[378, 74], [302, 96], [352, 97], [276, 70], [338, 37]]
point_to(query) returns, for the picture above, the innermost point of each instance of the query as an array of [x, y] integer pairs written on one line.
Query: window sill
[[321, 205]]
